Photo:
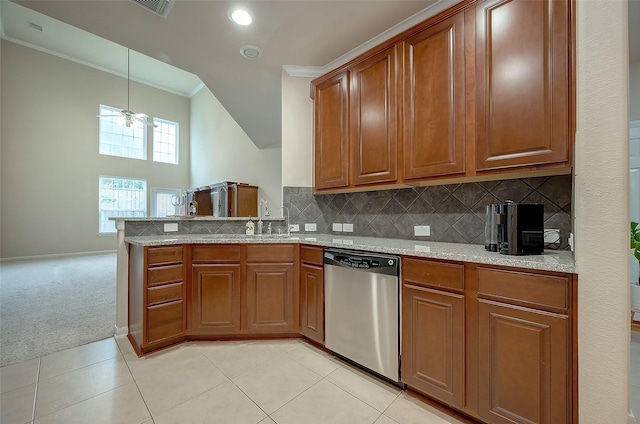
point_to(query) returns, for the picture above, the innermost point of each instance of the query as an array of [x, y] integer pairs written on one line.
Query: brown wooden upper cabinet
[[484, 88], [522, 81], [373, 119], [331, 152], [434, 100]]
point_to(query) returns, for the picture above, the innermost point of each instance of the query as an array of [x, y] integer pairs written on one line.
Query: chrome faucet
[[284, 208], [263, 203]]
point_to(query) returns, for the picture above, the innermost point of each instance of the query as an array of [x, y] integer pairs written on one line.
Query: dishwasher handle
[[378, 264]]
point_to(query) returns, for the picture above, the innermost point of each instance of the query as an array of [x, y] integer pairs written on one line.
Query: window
[[116, 139], [165, 141], [162, 202], [120, 197]]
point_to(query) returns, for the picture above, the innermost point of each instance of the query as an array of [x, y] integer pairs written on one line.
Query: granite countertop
[[551, 260], [175, 218]]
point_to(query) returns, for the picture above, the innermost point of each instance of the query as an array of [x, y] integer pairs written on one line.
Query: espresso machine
[[515, 228]]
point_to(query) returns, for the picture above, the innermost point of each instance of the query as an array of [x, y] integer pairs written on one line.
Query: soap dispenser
[[250, 229]]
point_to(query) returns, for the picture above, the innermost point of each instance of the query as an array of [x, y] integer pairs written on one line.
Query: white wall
[[50, 161], [222, 151], [634, 91], [602, 225], [297, 132]]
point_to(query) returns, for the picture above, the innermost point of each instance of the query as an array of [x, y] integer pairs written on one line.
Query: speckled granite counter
[[551, 260]]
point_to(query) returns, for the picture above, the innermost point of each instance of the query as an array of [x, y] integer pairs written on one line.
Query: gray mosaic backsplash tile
[[455, 212]]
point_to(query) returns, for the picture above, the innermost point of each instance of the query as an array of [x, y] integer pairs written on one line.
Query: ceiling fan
[[130, 117]]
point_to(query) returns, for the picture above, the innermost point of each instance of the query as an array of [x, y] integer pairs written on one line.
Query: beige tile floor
[[265, 382]]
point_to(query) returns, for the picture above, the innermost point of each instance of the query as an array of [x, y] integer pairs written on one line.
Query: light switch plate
[[422, 230], [347, 228], [310, 227], [294, 227], [336, 227], [170, 227]]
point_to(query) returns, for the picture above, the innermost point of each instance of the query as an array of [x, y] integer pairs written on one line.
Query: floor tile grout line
[[295, 397], [35, 393], [137, 387]]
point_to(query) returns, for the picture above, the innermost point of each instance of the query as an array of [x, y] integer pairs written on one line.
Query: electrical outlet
[[294, 227], [337, 227], [571, 241], [422, 230], [170, 227], [347, 228], [551, 236], [310, 227]]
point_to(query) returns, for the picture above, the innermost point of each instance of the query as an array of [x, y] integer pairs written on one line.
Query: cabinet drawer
[[166, 293], [312, 255], [546, 292], [165, 321], [164, 255], [270, 253], [433, 274], [225, 253], [164, 274]]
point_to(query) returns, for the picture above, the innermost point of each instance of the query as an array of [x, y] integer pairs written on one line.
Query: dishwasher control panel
[[363, 261]]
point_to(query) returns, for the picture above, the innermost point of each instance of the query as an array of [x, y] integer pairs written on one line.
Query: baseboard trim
[[57, 255], [631, 419], [120, 332]]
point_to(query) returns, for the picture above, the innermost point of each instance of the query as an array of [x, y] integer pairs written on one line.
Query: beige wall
[[50, 161], [634, 91], [222, 151], [297, 132], [601, 187]]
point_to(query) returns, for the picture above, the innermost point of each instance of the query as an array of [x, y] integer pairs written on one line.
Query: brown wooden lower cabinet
[[157, 310], [215, 307], [496, 343], [523, 363], [270, 302], [433, 347], [312, 302]]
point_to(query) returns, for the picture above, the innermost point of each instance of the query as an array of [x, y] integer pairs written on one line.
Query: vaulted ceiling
[[197, 36]]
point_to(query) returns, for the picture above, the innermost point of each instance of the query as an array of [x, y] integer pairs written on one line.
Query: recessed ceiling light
[[250, 52], [240, 16]]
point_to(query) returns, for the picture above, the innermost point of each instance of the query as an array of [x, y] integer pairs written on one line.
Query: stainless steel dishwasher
[[361, 293]]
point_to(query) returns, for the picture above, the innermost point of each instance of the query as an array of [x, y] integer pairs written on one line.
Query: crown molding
[[423, 15]]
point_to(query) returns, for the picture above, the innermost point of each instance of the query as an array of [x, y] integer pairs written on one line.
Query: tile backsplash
[[455, 213]]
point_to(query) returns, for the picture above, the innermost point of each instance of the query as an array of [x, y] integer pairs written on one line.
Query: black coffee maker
[[520, 228]]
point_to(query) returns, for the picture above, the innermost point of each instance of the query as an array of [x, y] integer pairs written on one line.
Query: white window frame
[[155, 191], [159, 122], [117, 122], [127, 213]]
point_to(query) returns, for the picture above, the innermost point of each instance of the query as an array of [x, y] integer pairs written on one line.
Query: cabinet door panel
[[270, 302], [373, 123], [523, 362], [331, 133], [433, 358], [434, 112], [312, 302], [522, 57], [216, 299]]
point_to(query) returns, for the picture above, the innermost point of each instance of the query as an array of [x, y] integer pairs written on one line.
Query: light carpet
[[51, 304]]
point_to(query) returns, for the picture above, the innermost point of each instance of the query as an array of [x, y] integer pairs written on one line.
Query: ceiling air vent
[[159, 7]]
